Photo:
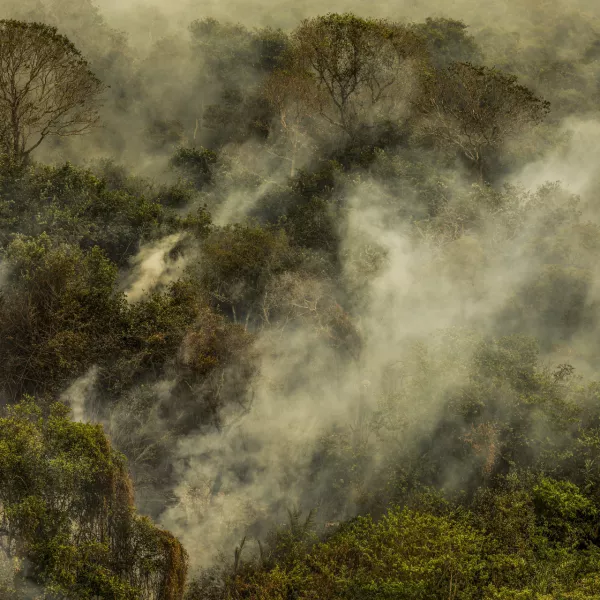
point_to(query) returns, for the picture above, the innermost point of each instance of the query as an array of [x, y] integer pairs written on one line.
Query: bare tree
[[474, 110], [363, 66], [46, 88]]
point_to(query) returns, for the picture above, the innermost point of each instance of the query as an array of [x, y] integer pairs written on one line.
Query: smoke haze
[[365, 359]]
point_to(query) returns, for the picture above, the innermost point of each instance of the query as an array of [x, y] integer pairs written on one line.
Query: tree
[[105, 207], [361, 66], [292, 96], [60, 312], [67, 520], [237, 263], [474, 110], [46, 88], [448, 41], [234, 62], [195, 164]]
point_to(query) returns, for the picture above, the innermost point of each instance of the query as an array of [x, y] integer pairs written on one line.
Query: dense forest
[[299, 304]]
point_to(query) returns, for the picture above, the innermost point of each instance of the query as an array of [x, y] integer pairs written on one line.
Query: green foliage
[[75, 206], [198, 222], [238, 261], [330, 198], [58, 314], [405, 554], [564, 511], [68, 517], [153, 331], [448, 41], [194, 164], [495, 551]]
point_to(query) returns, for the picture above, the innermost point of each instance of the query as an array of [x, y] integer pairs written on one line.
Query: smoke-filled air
[[299, 301]]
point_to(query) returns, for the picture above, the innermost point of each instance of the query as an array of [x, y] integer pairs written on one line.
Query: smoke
[[417, 291], [160, 84], [279, 12], [308, 396], [10, 569], [79, 395], [573, 163], [154, 267], [423, 299]]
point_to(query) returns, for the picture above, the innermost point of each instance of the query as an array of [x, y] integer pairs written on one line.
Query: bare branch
[[46, 88]]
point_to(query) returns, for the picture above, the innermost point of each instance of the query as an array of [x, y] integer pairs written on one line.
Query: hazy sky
[[286, 13]]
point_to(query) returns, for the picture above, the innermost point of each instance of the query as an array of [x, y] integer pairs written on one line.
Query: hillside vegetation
[[307, 313]]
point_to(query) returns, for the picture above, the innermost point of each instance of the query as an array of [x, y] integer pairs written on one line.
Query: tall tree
[[46, 88], [362, 67], [475, 110]]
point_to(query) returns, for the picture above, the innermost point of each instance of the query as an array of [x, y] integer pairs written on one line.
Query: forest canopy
[[299, 310]]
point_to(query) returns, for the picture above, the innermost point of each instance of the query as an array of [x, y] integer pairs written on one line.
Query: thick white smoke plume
[[415, 289]]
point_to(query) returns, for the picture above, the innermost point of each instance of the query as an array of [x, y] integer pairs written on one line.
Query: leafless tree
[[46, 88]]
